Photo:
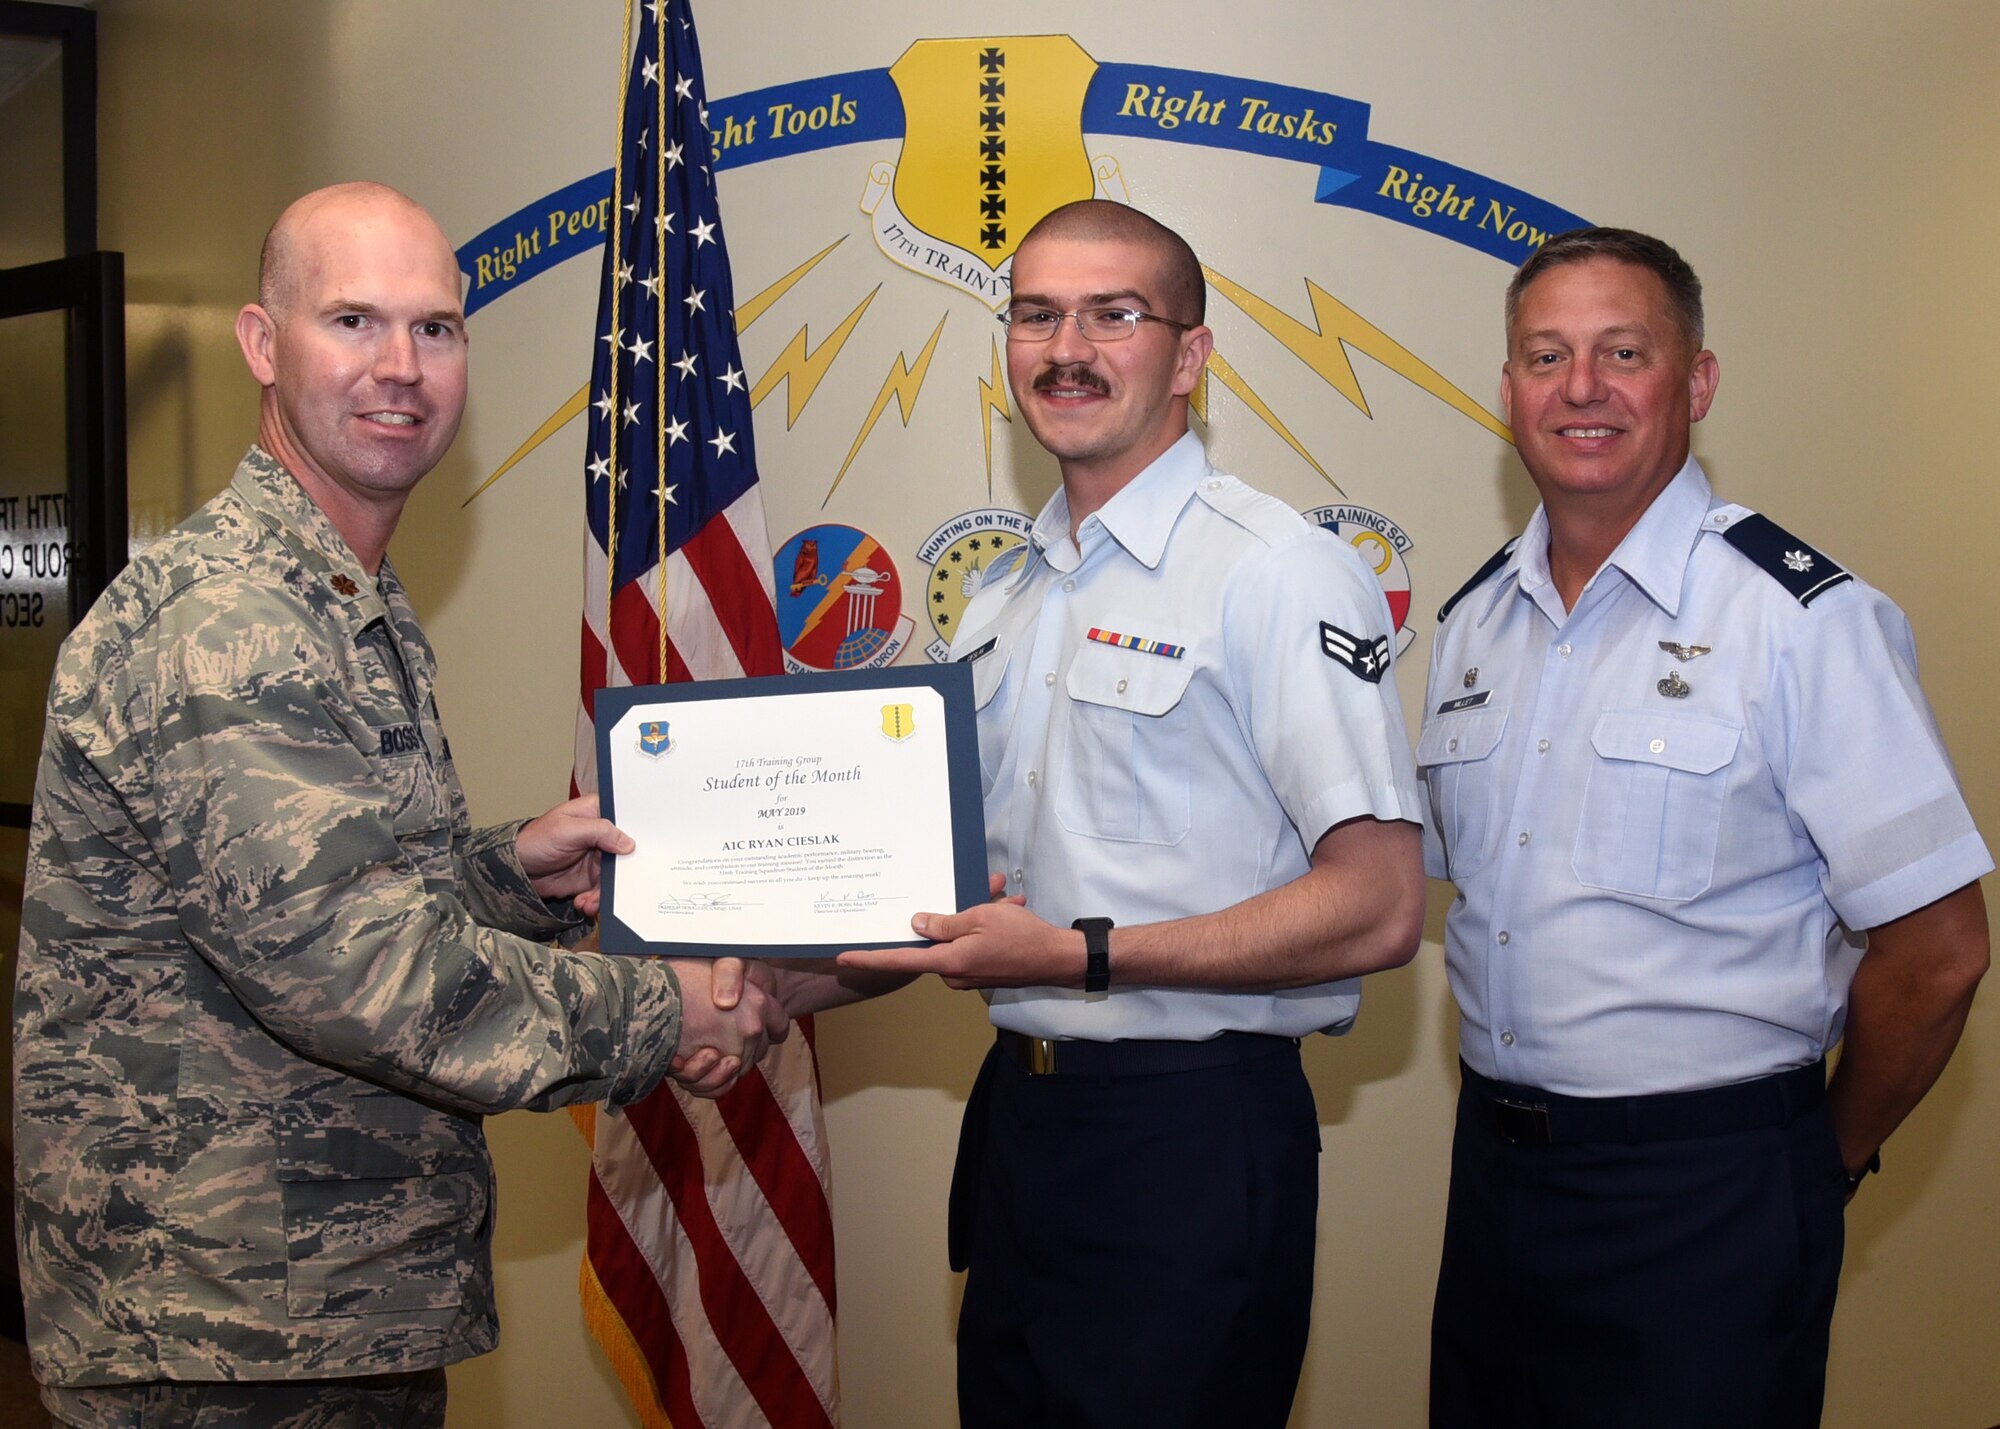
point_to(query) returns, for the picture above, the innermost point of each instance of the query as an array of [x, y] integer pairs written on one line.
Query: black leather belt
[[1528, 1116], [1051, 1056]]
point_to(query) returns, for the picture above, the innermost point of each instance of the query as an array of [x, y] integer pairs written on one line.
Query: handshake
[[731, 1012]]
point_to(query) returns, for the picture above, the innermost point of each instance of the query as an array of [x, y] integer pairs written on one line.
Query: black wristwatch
[[1096, 953], [1855, 1178]]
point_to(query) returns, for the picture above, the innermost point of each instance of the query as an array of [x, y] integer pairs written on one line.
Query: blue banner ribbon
[[1444, 199], [1142, 101], [805, 116], [1219, 111], [533, 239]]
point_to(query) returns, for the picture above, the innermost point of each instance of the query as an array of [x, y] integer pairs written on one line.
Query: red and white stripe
[[709, 1226]]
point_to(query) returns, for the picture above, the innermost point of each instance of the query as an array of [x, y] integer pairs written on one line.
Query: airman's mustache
[[1075, 375]]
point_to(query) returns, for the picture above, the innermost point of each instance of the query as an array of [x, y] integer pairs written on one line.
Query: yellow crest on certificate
[[994, 137], [899, 722]]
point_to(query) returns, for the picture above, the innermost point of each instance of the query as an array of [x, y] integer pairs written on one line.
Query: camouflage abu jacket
[[265, 995]]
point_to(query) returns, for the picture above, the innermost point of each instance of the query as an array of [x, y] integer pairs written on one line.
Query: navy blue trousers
[[1140, 1247], [1663, 1285]]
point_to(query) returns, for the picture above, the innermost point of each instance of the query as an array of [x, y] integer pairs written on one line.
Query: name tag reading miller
[[791, 816]]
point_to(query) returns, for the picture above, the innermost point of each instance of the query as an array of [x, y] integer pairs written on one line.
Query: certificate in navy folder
[[789, 816]]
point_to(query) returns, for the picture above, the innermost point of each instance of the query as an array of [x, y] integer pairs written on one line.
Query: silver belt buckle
[[1041, 1056]]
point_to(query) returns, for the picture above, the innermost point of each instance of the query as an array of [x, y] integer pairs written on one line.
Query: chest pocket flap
[[1695, 746], [1456, 738], [1126, 772], [1128, 680], [1652, 806], [1452, 757]]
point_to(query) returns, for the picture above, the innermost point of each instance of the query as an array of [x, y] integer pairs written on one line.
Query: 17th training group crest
[[993, 139], [899, 722]]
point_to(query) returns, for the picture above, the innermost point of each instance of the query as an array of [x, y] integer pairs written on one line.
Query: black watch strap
[[1096, 953]]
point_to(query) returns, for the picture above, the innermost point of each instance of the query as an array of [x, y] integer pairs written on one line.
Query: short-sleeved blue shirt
[[1660, 852], [1172, 710]]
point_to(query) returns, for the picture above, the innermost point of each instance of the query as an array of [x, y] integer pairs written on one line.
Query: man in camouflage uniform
[[270, 978]]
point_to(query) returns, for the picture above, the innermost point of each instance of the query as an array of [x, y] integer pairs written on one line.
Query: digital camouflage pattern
[[385, 1401], [271, 980]]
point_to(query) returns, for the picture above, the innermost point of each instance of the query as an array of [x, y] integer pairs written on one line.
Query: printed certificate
[[791, 816]]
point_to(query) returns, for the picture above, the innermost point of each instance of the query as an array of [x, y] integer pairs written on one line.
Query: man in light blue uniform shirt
[[1201, 800], [1702, 825]]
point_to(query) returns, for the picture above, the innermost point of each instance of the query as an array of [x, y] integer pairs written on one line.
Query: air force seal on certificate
[[655, 738], [899, 722], [959, 554], [1382, 545]]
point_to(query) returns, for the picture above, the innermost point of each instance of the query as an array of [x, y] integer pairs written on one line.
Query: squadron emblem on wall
[[840, 601], [959, 554], [1382, 544]]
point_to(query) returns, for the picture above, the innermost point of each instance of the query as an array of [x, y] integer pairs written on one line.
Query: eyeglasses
[[1105, 324]]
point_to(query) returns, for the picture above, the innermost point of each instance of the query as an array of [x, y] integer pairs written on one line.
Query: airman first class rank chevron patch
[[1366, 656]]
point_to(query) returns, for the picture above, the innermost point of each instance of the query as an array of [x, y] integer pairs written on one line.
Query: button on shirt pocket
[[1652, 809], [1454, 760], [1126, 774]]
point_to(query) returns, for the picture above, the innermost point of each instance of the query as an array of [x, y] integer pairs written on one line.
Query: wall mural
[[995, 131]]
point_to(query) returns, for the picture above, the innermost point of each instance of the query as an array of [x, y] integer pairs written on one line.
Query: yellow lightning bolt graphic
[[806, 369], [746, 314], [905, 384], [1323, 349], [837, 587], [1233, 380], [573, 407], [993, 398]]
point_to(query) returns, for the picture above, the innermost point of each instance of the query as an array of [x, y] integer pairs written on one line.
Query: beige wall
[[1828, 168]]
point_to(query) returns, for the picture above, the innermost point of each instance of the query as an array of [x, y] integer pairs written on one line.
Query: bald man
[[271, 980]]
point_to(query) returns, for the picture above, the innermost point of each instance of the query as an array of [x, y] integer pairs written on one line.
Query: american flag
[[708, 1262]]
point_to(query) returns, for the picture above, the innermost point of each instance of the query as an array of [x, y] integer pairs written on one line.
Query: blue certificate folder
[[724, 901]]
